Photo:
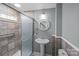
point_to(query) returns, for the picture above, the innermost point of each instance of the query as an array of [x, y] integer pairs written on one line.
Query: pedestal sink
[[42, 42]]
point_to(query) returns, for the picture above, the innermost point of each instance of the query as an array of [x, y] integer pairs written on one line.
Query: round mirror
[[43, 25]]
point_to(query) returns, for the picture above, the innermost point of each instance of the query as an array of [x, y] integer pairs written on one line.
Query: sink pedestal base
[[42, 42], [42, 49]]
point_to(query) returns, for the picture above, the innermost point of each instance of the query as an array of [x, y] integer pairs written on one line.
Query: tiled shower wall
[[9, 32]]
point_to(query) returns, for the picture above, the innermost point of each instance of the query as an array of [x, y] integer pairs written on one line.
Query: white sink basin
[[42, 41]]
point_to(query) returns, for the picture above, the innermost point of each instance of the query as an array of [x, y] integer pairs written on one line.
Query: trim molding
[[56, 36], [72, 45]]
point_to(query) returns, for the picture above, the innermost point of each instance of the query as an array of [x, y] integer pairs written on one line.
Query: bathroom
[[39, 29]]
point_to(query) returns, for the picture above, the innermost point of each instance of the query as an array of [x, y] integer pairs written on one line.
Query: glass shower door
[[26, 35]]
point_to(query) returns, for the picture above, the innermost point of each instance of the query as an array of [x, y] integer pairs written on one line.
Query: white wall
[[58, 20], [70, 22]]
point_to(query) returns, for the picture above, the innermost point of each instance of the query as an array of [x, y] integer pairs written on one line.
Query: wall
[[58, 20], [46, 34], [51, 18], [55, 43], [70, 23], [9, 32]]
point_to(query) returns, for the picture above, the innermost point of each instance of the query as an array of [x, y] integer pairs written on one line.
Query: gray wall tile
[[8, 29], [11, 45], [46, 34]]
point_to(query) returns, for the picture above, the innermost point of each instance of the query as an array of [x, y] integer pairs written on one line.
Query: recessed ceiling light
[[17, 5]]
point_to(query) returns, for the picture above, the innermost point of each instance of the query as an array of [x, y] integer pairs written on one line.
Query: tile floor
[[18, 53], [38, 54]]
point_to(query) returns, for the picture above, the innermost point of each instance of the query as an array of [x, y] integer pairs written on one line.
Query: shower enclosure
[[27, 27]]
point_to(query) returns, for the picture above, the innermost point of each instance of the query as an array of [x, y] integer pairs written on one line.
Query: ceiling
[[32, 6]]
